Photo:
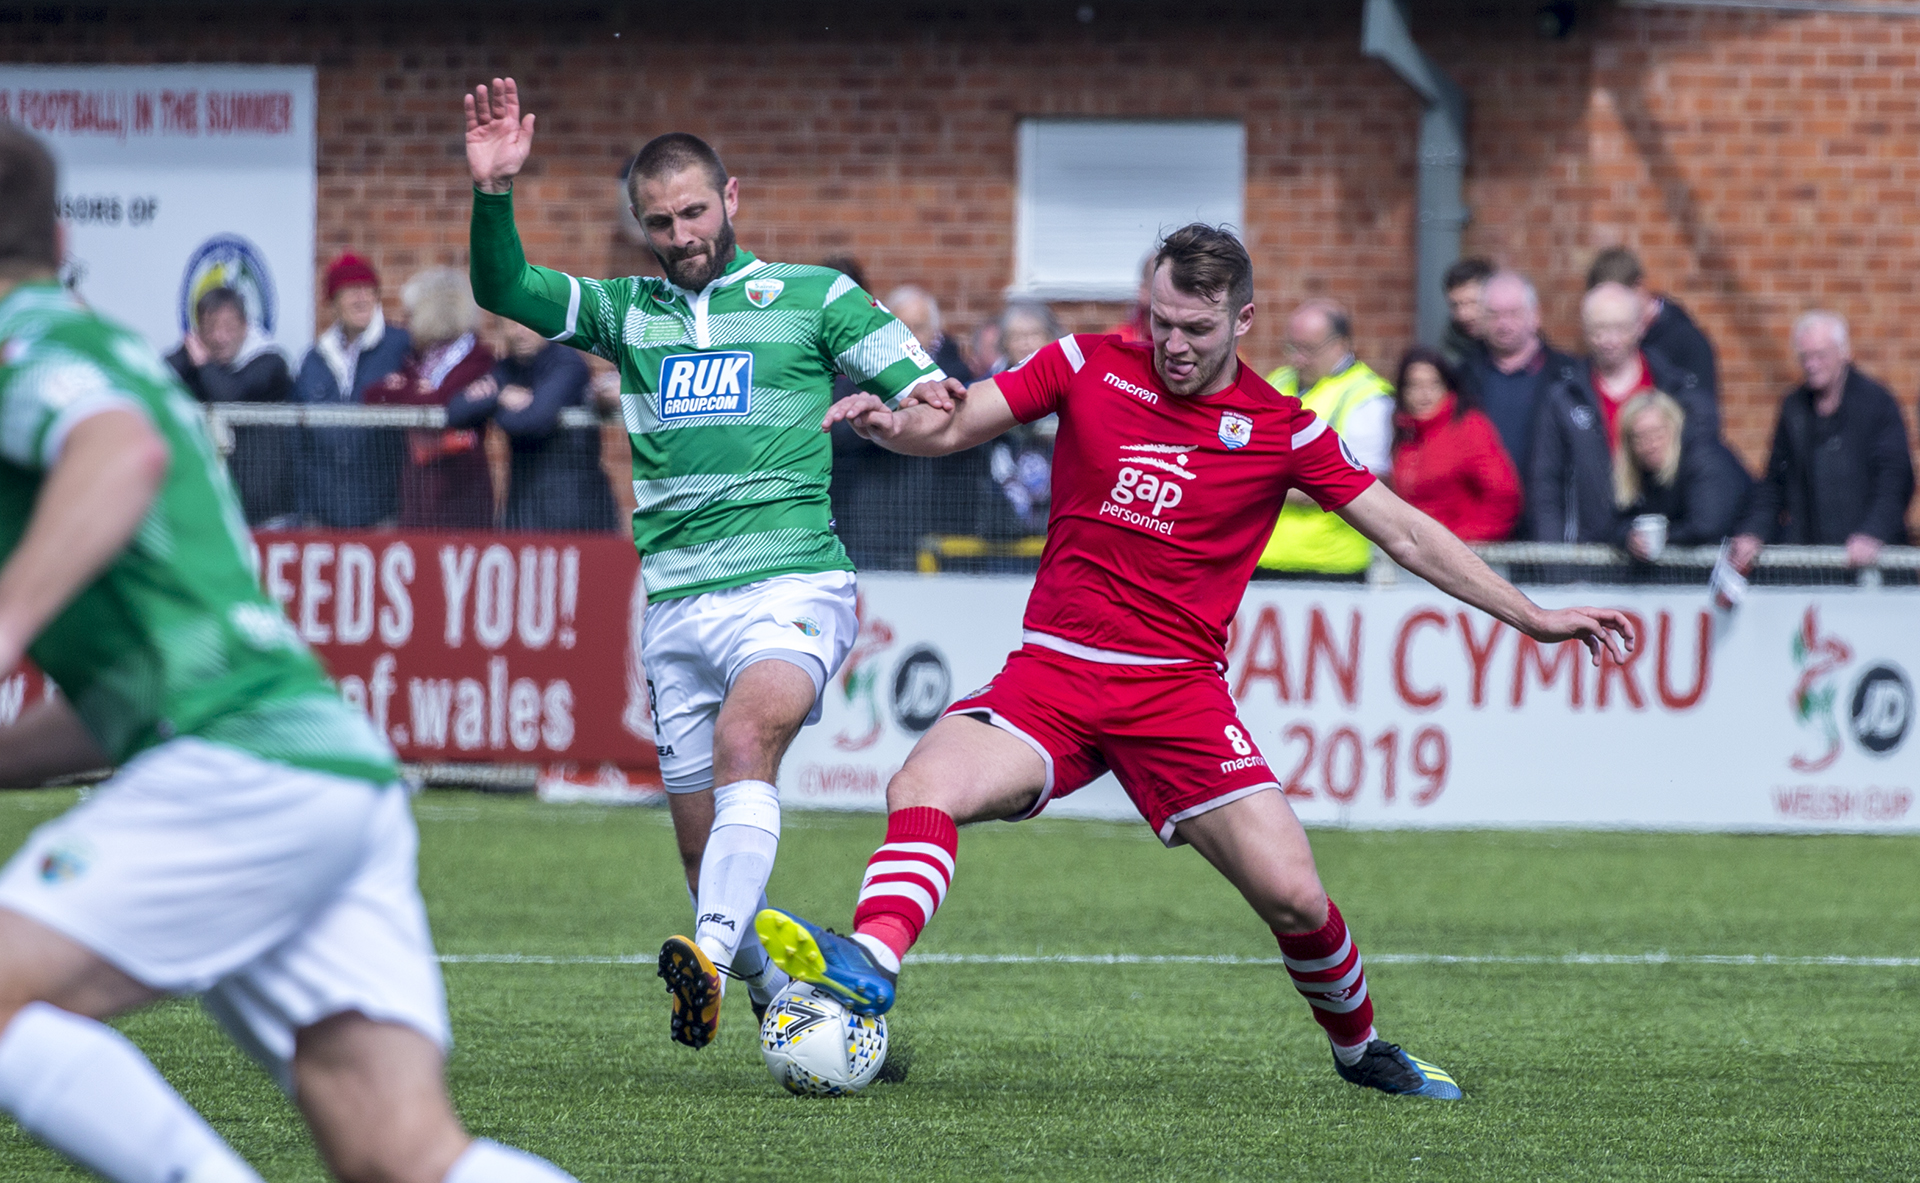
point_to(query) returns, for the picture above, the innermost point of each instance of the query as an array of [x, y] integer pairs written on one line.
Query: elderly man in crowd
[[1511, 369], [1840, 472], [1465, 284], [1358, 404], [357, 351], [1668, 331], [1570, 495], [920, 312], [226, 359]]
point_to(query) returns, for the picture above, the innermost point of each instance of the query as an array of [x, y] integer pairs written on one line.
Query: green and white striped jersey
[[723, 392], [175, 637]]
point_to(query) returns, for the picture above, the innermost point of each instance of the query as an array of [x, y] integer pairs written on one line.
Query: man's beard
[[1206, 371], [693, 272]]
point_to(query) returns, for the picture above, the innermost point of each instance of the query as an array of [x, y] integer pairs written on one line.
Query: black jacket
[[1674, 336], [1494, 394], [264, 460], [1704, 503], [557, 482], [1829, 479], [884, 502], [1569, 477]]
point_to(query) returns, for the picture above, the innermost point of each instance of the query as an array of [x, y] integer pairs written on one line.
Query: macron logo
[[705, 384], [1140, 392]]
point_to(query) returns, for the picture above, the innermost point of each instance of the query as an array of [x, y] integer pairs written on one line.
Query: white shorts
[[695, 646], [280, 895]]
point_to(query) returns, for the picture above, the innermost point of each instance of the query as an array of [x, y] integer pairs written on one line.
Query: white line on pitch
[[1758, 959]]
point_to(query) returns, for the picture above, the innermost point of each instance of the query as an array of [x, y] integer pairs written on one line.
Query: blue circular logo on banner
[[229, 261]]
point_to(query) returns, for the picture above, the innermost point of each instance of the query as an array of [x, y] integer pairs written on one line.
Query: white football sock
[[883, 954], [764, 979], [737, 863], [1351, 1055], [490, 1162], [83, 1089]]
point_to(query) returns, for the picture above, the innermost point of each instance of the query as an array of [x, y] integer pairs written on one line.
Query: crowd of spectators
[[491, 377], [1495, 431]]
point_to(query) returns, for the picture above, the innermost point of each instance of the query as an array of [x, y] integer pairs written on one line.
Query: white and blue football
[[816, 1047]]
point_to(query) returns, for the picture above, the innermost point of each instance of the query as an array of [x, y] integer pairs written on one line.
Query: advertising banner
[[487, 647], [176, 179], [1400, 707]]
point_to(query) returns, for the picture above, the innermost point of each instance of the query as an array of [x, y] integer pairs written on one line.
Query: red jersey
[[1161, 504]]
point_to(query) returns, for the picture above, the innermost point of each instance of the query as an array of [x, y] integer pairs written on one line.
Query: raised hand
[[1596, 628], [498, 136]]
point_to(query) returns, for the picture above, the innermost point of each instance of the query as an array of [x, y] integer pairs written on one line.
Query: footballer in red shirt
[[1169, 469]]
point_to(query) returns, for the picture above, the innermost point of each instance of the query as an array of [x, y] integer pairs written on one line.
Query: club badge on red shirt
[[1236, 431]]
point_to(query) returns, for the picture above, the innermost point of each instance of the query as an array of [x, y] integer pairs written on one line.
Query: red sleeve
[[1324, 468], [1035, 387]]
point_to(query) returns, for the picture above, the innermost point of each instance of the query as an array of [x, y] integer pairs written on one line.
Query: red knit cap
[[348, 271]]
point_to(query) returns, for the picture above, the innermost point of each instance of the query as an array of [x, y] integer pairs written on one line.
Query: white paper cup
[[1652, 529]]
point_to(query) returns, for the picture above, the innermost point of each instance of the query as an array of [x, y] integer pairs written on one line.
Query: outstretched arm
[[1429, 550], [920, 426]]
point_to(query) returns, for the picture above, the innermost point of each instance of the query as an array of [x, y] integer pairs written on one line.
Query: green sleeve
[[554, 304], [870, 345]]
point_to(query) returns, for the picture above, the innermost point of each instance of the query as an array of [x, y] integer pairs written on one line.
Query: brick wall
[[1761, 163]]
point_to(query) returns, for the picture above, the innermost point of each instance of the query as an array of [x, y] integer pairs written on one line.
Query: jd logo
[[705, 384], [1882, 709], [922, 688]]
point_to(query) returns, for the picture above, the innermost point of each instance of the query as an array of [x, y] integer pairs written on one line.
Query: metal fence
[[363, 467], [976, 512]]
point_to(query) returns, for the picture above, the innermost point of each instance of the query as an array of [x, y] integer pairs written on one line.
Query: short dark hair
[[850, 267], [214, 299], [1466, 271], [1208, 261], [28, 214], [1463, 400], [672, 153], [1616, 264]]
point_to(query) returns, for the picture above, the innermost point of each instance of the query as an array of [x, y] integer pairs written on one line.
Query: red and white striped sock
[[906, 881], [1326, 969]]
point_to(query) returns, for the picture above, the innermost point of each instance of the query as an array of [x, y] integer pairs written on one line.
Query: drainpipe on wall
[[1443, 158]]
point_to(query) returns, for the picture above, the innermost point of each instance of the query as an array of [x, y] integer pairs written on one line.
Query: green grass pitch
[[1149, 1071]]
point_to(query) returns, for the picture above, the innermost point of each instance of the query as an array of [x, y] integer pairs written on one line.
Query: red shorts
[[1170, 733]]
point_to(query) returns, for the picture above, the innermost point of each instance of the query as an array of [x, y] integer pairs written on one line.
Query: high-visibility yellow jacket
[[1306, 539]]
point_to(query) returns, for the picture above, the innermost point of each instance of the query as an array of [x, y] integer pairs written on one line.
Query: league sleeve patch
[[916, 354]]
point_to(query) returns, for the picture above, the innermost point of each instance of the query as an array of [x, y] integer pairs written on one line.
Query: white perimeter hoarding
[[1399, 707], [174, 179]]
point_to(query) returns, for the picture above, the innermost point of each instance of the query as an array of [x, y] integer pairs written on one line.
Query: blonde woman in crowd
[[1669, 490]]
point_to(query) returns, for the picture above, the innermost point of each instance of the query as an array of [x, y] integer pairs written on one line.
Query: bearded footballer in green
[[726, 367]]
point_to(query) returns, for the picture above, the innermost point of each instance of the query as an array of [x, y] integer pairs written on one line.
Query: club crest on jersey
[[694, 384], [762, 292], [1236, 431]]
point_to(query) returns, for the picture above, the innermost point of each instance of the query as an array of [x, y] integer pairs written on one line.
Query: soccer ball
[[816, 1047]]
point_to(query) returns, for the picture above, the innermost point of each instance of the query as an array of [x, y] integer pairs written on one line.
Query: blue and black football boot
[[840, 965]]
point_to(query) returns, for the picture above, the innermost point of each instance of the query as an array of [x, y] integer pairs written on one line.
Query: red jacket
[[1456, 470]]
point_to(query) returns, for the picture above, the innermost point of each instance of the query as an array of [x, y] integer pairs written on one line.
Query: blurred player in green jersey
[[253, 848]]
